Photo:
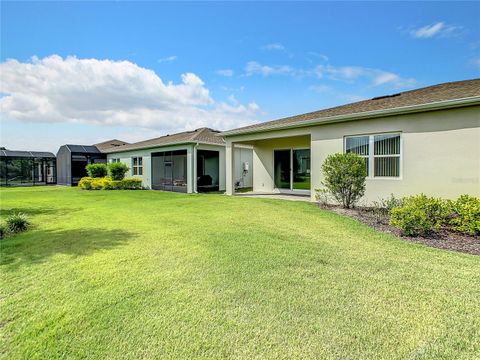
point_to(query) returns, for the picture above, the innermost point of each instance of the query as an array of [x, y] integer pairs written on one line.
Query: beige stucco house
[[189, 162], [425, 140]]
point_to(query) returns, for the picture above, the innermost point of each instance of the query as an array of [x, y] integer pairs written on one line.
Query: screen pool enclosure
[[27, 168], [72, 160]]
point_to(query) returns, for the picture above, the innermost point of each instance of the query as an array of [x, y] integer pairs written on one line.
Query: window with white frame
[[381, 153], [137, 166], [115, 160]]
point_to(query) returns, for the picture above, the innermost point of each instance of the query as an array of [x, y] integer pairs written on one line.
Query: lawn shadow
[[36, 211], [36, 246]]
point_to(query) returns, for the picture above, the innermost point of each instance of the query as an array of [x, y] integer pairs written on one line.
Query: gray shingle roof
[[201, 135], [82, 149], [432, 94], [26, 154], [110, 144]]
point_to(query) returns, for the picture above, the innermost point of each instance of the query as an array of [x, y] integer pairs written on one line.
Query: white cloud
[[106, 92], [168, 59], [274, 46], [254, 67], [318, 55], [320, 88], [438, 29], [375, 77], [225, 72]]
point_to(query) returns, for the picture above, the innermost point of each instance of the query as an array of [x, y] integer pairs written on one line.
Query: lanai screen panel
[[169, 171], [19, 168]]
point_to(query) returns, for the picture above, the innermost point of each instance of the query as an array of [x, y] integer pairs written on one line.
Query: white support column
[[195, 176], [230, 168], [190, 178]]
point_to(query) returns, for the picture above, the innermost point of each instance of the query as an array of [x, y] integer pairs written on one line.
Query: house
[[425, 140], [23, 168], [190, 161], [72, 160]]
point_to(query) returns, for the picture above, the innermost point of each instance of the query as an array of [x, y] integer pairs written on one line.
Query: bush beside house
[[117, 170], [96, 170], [345, 176], [107, 183]]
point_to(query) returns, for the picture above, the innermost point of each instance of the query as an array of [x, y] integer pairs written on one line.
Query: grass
[[144, 274]]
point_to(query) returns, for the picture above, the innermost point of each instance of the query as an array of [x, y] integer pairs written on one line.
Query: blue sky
[[87, 72]]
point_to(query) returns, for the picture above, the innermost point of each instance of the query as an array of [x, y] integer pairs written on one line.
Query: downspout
[[195, 168]]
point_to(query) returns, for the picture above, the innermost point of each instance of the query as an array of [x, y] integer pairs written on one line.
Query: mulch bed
[[441, 239]]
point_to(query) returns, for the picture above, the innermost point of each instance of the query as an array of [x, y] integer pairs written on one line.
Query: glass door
[[301, 169], [292, 169], [282, 170]]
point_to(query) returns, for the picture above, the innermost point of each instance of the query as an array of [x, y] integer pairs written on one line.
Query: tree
[[345, 176]]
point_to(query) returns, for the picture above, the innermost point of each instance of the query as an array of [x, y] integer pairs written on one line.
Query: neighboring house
[[72, 160], [24, 168], [425, 140], [191, 161]]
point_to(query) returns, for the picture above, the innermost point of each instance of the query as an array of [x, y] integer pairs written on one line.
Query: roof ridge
[[454, 90]]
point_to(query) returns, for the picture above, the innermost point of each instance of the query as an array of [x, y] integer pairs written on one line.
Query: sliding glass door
[[292, 169], [282, 169]]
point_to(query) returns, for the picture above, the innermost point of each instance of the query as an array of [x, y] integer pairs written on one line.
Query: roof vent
[[385, 96]]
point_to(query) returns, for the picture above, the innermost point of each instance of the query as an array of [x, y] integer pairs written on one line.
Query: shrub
[[106, 183], [17, 222], [420, 214], [85, 183], [117, 170], [466, 215], [345, 178], [96, 170], [100, 183], [131, 184]]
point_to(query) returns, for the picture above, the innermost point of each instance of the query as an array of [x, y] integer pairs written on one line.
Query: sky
[[85, 72]]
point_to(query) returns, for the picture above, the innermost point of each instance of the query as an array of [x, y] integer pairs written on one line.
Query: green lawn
[[144, 274]]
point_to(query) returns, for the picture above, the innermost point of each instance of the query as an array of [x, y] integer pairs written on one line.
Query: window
[[137, 166], [381, 153], [114, 160], [359, 145]]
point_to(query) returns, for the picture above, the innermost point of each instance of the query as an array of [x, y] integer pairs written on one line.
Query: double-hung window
[[114, 160], [381, 152], [137, 166]]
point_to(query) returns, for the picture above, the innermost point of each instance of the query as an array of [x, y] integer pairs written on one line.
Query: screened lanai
[[72, 160], [27, 168]]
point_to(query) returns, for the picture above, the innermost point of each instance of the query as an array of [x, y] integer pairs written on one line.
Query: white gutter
[[118, 150], [474, 100]]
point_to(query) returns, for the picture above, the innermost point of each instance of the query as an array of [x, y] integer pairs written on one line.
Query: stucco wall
[[244, 155], [263, 180], [126, 157], [440, 152]]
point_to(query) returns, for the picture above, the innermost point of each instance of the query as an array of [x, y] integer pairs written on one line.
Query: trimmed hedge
[[106, 183], [466, 215], [420, 215]]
